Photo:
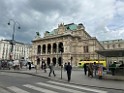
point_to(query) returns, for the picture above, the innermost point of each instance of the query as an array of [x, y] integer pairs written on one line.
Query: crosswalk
[[52, 87]]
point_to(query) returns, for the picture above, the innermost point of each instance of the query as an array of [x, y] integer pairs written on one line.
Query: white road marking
[[39, 89], [60, 88], [17, 90], [3, 91], [79, 87]]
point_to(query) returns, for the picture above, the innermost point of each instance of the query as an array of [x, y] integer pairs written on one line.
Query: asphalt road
[[21, 83]]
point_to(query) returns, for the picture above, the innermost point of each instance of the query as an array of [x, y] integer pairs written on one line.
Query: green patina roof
[[71, 27], [54, 32]]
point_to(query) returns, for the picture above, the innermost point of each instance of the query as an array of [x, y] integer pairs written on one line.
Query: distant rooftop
[[15, 42], [112, 41]]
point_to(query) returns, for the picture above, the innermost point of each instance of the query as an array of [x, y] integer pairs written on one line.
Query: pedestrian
[[113, 66], [44, 67], [100, 71], [90, 70], [51, 67], [69, 69], [95, 67], [29, 63], [65, 66], [85, 68], [42, 64]]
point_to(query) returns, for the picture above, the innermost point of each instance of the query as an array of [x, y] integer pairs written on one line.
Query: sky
[[103, 19]]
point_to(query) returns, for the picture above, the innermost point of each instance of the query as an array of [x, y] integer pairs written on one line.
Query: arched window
[[54, 48], [61, 47], [49, 48], [38, 49], [44, 49]]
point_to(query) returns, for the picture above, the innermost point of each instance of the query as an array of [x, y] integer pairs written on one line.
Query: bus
[[81, 63]]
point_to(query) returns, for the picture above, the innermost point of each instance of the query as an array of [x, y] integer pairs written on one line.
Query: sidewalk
[[78, 77]]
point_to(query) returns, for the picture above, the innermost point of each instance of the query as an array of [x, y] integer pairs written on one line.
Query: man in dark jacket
[[68, 69], [85, 68]]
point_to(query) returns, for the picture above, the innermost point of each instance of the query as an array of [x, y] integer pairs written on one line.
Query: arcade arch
[[44, 49], [39, 49]]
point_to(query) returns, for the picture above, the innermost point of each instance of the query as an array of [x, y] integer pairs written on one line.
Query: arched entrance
[[38, 49], [54, 60], [60, 61], [54, 48], [44, 49], [49, 48], [48, 61], [61, 47]]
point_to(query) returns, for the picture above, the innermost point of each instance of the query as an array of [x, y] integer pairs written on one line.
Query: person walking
[[100, 71], [29, 63], [44, 67], [113, 67], [69, 69], [85, 69], [90, 70], [51, 67], [65, 66], [95, 67]]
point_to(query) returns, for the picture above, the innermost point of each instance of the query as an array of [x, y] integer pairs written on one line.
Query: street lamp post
[[12, 41]]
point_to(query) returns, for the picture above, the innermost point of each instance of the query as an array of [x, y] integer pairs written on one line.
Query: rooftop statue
[[37, 35]]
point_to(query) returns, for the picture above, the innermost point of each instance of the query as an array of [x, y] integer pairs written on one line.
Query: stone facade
[[113, 44], [67, 43]]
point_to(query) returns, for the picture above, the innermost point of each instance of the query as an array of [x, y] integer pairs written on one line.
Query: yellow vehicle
[[81, 63]]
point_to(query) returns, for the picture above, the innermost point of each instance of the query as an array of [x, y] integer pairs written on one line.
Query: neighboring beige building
[[113, 44], [67, 43], [20, 50]]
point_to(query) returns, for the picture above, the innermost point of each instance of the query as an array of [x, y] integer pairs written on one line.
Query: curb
[[60, 80], [114, 78]]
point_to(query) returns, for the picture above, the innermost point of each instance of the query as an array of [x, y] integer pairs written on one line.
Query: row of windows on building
[[114, 46], [50, 48], [55, 49]]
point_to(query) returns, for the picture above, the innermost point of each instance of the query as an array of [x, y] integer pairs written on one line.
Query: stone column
[[51, 48], [57, 48]]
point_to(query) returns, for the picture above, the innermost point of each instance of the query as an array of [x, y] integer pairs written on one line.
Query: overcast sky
[[103, 19]]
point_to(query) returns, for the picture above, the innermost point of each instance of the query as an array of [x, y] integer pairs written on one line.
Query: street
[[22, 83]]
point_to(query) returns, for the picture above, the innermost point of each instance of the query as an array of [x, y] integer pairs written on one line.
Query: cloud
[[45, 15]]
